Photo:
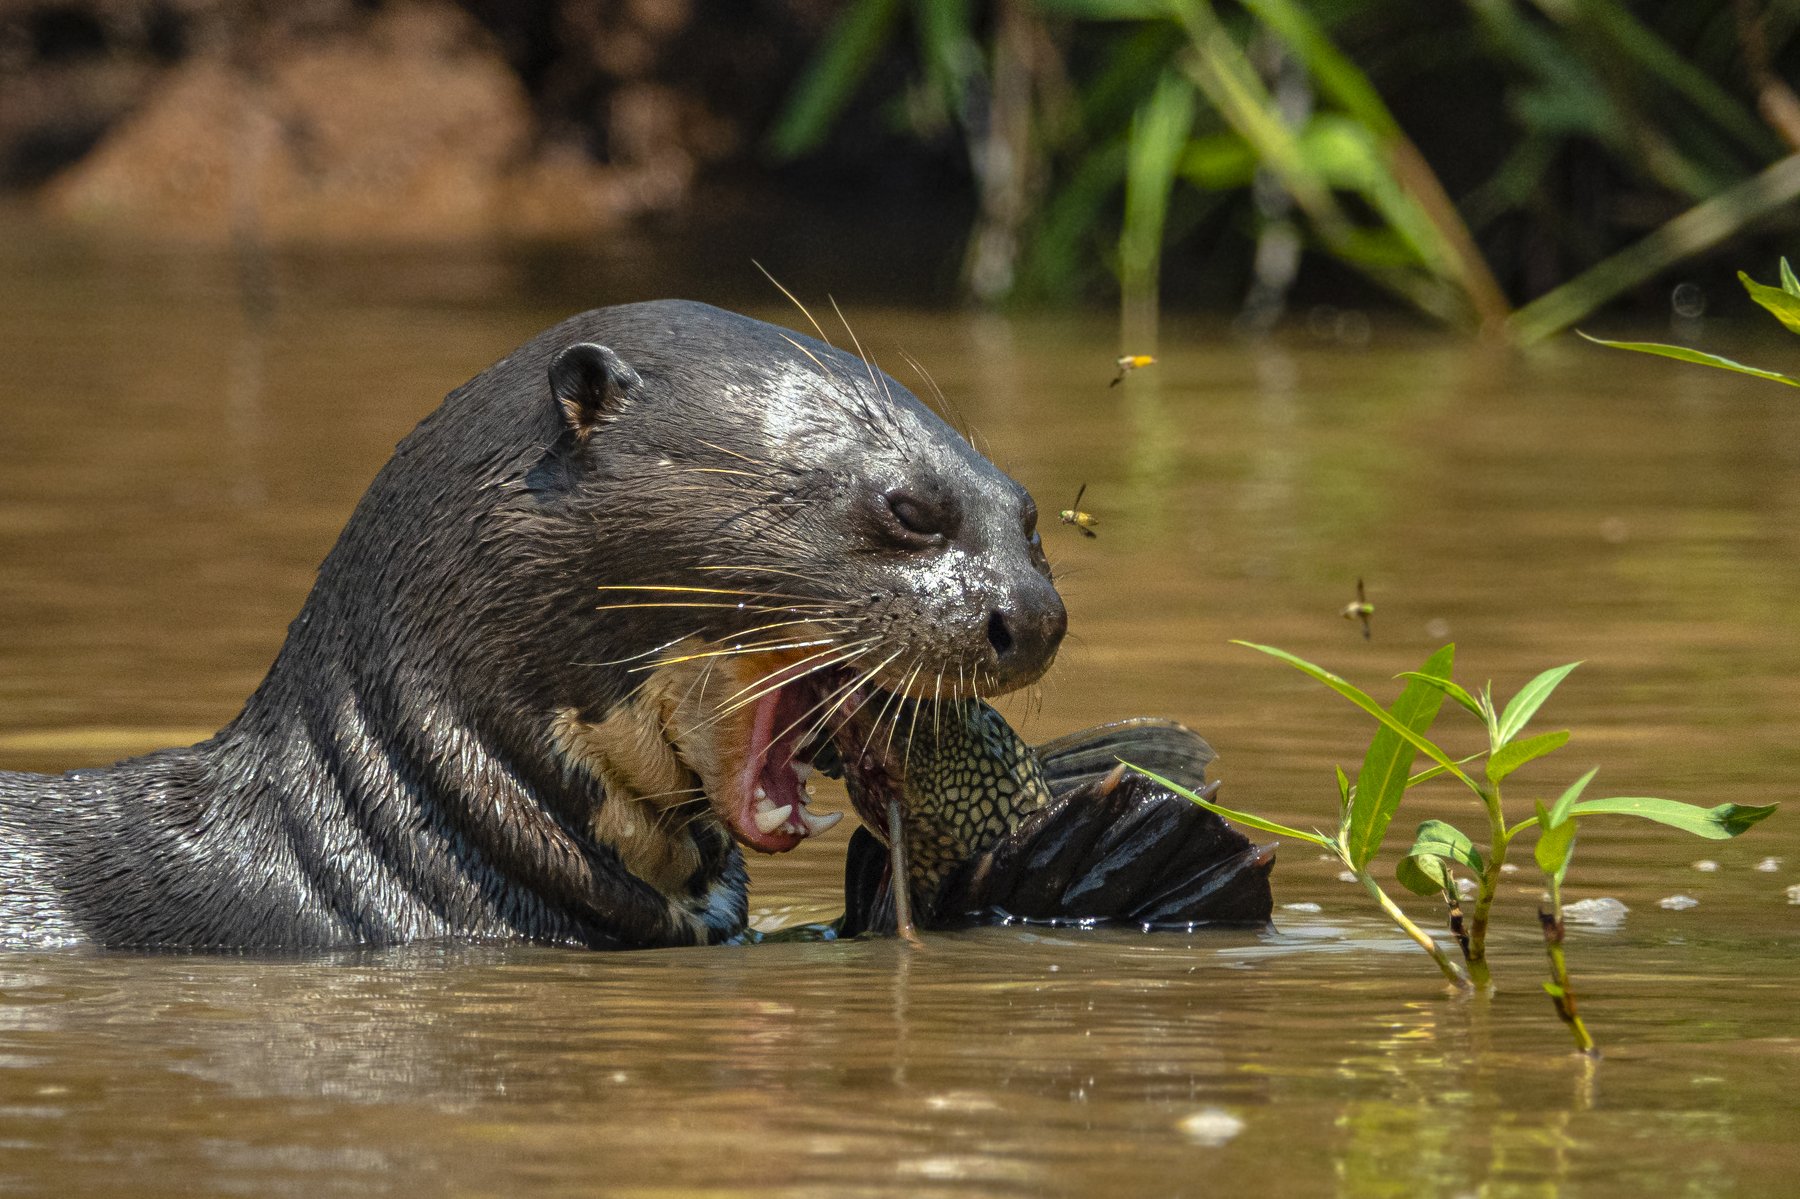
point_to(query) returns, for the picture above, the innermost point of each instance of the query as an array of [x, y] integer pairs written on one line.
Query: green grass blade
[[1382, 780], [1523, 706], [947, 48], [850, 49], [1515, 754], [1361, 699], [1683, 354], [1337, 76], [1243, 818], [1715, 824], [1159, 133], [1635, 41], [1789, 284], [1058, 256], [1404, 189], [1700, 228], [1785, 307]]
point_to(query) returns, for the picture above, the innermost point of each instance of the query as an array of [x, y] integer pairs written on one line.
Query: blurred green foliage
[[1109, 135]]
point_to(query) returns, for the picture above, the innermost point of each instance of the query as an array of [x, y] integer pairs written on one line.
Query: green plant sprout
[[1783, 301], [1367, 806]]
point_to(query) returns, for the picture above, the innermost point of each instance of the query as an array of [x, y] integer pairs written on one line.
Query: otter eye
[[914, 514]]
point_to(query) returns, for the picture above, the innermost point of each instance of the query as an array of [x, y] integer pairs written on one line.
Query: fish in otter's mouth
[[964, 821]]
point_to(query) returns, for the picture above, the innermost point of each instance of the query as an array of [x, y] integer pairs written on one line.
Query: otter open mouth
[[742, 733], [765, 805]]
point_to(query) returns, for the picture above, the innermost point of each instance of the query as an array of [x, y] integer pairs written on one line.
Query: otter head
[[769, 535]]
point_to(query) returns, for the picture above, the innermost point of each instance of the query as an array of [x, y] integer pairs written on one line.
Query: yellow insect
[[1129, 363], [1073, 515], [1361, 610]]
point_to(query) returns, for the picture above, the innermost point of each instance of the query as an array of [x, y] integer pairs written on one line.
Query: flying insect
[[1361, 609], [1129, 363], [1073, 515]]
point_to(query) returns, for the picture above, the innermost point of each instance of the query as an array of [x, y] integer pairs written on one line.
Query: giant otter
[[575, 646]]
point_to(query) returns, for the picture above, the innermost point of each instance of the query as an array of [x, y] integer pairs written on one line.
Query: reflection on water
[[176, 463]]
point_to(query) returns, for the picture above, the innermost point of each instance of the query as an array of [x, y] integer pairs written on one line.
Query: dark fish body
[[995, 829]]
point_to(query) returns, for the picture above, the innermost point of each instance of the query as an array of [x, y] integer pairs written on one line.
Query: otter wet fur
[[575, 648]]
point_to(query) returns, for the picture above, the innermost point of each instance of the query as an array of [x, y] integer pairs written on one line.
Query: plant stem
[[1488, 886], [1456, 974], [1561, 993]]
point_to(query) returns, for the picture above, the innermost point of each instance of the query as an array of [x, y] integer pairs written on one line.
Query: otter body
[[572, 650]]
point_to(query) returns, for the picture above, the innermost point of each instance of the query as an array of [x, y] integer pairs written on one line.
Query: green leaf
[[1382, 780], [1715, 824], [1243, 818], [1425, 870], [1453, 690], [851, 48], [1358, 697], [1444, 840], [1559, 811], [1555, 845], [1554, 991], [1785, 307], [1683, 354], [1789, 284], [1530, 698], [1515, 754], [1425, 874]]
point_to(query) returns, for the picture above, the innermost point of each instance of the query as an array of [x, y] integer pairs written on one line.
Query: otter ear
[[589, 381]]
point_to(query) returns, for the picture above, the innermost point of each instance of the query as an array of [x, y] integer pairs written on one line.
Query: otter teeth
[[814, 825], [768, 817]]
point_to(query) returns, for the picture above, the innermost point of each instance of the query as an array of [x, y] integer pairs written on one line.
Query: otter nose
[[1025, 634]]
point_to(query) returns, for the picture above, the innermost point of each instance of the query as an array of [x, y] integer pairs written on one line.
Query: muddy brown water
[[179, 452]]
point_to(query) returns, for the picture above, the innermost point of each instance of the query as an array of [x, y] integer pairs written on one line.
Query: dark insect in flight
[[1073, 515], [1361, 610]]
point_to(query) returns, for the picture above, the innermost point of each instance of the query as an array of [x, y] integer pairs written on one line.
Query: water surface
[[184, 437]]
